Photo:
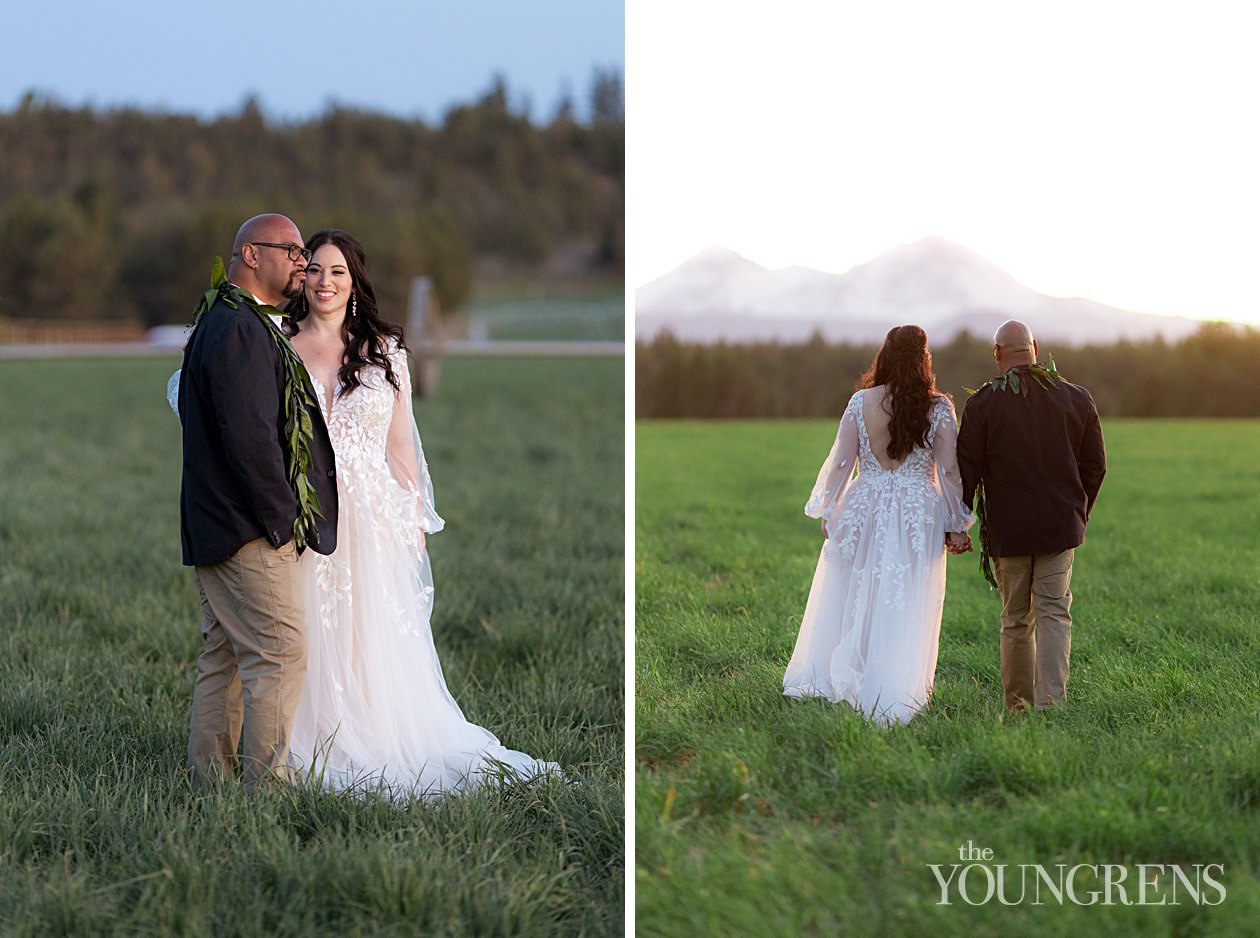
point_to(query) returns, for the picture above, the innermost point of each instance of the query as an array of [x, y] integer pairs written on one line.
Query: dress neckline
[[322, 394]]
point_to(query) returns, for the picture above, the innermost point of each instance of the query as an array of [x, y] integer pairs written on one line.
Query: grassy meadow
[[592, 315], [99, 631], [757, 815]]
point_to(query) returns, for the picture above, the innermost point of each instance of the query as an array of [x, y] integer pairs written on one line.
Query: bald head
[[1013, 344], [269, 227], [267, 271]]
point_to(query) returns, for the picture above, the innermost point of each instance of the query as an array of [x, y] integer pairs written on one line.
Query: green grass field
[[99, 832], [757, 815], [596, 315]]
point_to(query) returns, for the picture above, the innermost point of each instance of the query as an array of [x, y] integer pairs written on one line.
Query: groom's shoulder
[[1079, 394], [226, 335], [979, 400], [1078, 389], [224, 322]]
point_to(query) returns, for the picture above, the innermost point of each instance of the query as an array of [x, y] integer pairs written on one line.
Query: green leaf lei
[[297, 397], [1044, 375]]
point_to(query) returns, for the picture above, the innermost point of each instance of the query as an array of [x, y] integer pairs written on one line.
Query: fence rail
[[49, 331], [453, 349]]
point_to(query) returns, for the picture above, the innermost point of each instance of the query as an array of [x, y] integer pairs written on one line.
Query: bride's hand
[[958, 542]]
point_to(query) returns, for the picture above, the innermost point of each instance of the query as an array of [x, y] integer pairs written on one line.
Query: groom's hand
[[958, 542]]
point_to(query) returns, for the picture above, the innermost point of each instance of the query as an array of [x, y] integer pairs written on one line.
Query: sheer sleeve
[[827, 498], [958, 517], [172, 391], [404, 452]]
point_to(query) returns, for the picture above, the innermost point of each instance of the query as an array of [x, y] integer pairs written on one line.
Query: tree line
[[118, 214], [1211, 373]]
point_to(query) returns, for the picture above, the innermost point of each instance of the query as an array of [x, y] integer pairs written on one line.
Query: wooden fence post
[[424, 337]]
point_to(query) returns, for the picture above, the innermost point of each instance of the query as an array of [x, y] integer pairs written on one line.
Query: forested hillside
[[118, 214]]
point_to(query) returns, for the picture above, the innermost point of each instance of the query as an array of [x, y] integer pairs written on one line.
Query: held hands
[[956, 542]]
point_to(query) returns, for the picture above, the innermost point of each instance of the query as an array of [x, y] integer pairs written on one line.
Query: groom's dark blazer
[[235, 487], [1040, 457]]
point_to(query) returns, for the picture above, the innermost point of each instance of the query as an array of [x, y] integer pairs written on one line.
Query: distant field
[[99, 834], [595, 316], [757, 815]]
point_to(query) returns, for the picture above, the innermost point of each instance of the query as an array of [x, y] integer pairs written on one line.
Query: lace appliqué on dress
[[358, 427], [899, 501]]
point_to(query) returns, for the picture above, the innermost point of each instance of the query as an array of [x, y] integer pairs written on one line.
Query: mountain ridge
[[720, 295]]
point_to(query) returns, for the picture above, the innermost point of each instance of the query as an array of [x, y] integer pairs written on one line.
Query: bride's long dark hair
[[364, 332], [904, 366]]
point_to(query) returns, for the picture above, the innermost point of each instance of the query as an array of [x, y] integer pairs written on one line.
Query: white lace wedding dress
[[375, 713], [375, 707], [873, 618]]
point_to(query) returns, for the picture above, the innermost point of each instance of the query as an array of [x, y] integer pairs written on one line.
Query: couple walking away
[[1029, 455], [304, 507]]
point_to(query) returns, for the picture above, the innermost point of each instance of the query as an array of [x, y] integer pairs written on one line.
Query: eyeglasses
[[295, 250]]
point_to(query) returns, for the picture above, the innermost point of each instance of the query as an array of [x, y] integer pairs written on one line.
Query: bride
[[375, 711], [375, 708], [871, 624]]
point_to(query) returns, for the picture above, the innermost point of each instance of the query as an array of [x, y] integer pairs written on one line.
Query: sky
[[1097, 149], [412, 58]]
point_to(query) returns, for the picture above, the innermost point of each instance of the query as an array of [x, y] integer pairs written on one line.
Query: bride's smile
[[328, 281]]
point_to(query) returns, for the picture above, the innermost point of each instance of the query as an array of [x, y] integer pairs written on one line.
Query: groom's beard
[[294, 286]]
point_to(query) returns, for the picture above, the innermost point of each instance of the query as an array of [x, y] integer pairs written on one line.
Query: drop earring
[[354, 305]]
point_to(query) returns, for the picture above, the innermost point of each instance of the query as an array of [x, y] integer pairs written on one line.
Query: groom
[[237, 511], [1036, 447]]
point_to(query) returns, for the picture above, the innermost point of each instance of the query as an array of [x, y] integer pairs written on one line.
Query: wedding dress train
[[871, 625]]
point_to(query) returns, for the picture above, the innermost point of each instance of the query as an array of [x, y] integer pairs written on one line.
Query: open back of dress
[[877, 415]]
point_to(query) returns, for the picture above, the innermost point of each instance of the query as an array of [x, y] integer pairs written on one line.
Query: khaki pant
[[1036, 627], [252, 664]]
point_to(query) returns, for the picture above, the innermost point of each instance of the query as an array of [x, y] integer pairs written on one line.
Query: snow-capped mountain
[[942, 286]]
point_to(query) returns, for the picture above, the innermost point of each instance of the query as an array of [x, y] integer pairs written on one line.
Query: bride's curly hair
[[365, 333], [904, 366]]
